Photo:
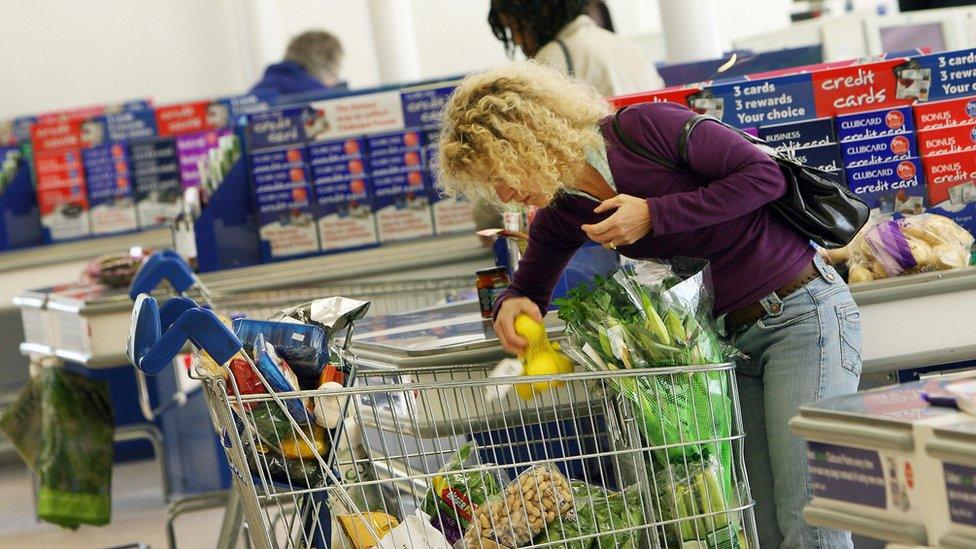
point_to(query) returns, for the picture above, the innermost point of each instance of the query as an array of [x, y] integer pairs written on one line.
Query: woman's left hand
[[630, 223]]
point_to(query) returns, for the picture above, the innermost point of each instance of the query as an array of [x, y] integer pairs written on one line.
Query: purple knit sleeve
[[552, 243], [740, 178]]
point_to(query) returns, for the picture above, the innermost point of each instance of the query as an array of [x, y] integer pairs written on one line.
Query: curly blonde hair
[[522, 125]]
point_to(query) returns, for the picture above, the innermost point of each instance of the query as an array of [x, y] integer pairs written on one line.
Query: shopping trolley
[[581, 473], [169, 267]]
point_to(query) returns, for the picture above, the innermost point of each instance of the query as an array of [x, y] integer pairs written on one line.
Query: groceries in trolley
[[888, 247], [658, 315]]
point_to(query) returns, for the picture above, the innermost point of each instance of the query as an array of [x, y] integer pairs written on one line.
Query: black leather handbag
[[826, 212]]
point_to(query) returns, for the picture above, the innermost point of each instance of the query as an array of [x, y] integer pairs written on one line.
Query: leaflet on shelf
[[857, 88], [400, 197], [422, 106], [799, 135], [131, 125], [342, 194], [878, 150], [61, 192], [197, 128], [945, 114], [944, 75], [451, 215], [874, 124], [951, 177], [156, 180], [191, 149], [354, 115], [949, 140], [282, 193], [109, 189], [890, 187], [746, 103]]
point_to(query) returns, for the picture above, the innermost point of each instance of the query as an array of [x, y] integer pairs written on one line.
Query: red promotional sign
[[953, 139], [669, 95], [945, 114], [946, 171], [55, 135], [60, 180], [857, 88], [71, 114], [193, 117]]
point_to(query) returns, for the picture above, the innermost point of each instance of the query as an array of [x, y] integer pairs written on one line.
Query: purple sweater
[[717, 212]]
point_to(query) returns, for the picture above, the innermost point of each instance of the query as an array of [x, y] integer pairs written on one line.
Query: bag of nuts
[[528, 505]]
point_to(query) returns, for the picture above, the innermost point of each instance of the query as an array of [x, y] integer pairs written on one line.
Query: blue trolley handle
[[151, 349], [169, 266]]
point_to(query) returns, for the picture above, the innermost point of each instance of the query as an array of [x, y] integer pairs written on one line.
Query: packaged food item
[[281, 378], [535, 499], [357, 528], [290, 472], [328, 409], [490, 283], [415, 531], [245, 378], [302, 346], [454, 496], [919, 243]]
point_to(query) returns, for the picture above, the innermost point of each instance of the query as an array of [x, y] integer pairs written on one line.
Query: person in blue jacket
[[311, 64]]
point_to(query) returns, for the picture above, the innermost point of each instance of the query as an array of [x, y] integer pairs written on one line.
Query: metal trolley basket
[[580, 428]]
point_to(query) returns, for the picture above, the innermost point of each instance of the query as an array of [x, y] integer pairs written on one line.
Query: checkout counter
[[888, 465]]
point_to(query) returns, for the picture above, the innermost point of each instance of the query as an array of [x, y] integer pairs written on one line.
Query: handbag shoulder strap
[[570, 69], [693, 122], [637, 148]]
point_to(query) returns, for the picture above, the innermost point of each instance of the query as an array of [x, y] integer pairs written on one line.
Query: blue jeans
[[808, 349]]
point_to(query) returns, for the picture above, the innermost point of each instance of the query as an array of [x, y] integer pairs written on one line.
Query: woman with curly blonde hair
[[526, 134]]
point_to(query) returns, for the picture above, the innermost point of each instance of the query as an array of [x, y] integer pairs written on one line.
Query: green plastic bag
[[62, 426]]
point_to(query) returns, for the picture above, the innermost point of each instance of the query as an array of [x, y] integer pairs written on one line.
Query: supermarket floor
[[138, 514]]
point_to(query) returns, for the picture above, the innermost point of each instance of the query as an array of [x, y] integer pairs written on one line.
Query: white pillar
[[691, 30], [395, 40], [262, 42]]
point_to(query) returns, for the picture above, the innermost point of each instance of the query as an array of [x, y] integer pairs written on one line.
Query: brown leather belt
[[748, 315]]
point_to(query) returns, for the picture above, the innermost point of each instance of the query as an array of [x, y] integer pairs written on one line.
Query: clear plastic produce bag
[[62, 426], [601, 518], [655, 314], [889, 247], [460, 487]]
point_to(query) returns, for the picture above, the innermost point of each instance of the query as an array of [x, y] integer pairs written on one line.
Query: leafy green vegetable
[[456, 495], [626, 321], [599, 517]]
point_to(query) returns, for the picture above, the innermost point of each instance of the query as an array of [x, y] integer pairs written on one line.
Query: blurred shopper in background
[[311, 63], [560, 34]]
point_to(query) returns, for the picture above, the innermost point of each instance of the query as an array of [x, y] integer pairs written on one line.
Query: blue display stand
[[227, 229], [20, 221]]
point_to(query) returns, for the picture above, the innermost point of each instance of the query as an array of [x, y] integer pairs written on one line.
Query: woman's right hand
[[505, 322]]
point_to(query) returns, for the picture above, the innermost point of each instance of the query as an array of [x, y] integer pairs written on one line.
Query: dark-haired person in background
[[560, 34], [311, 64]]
